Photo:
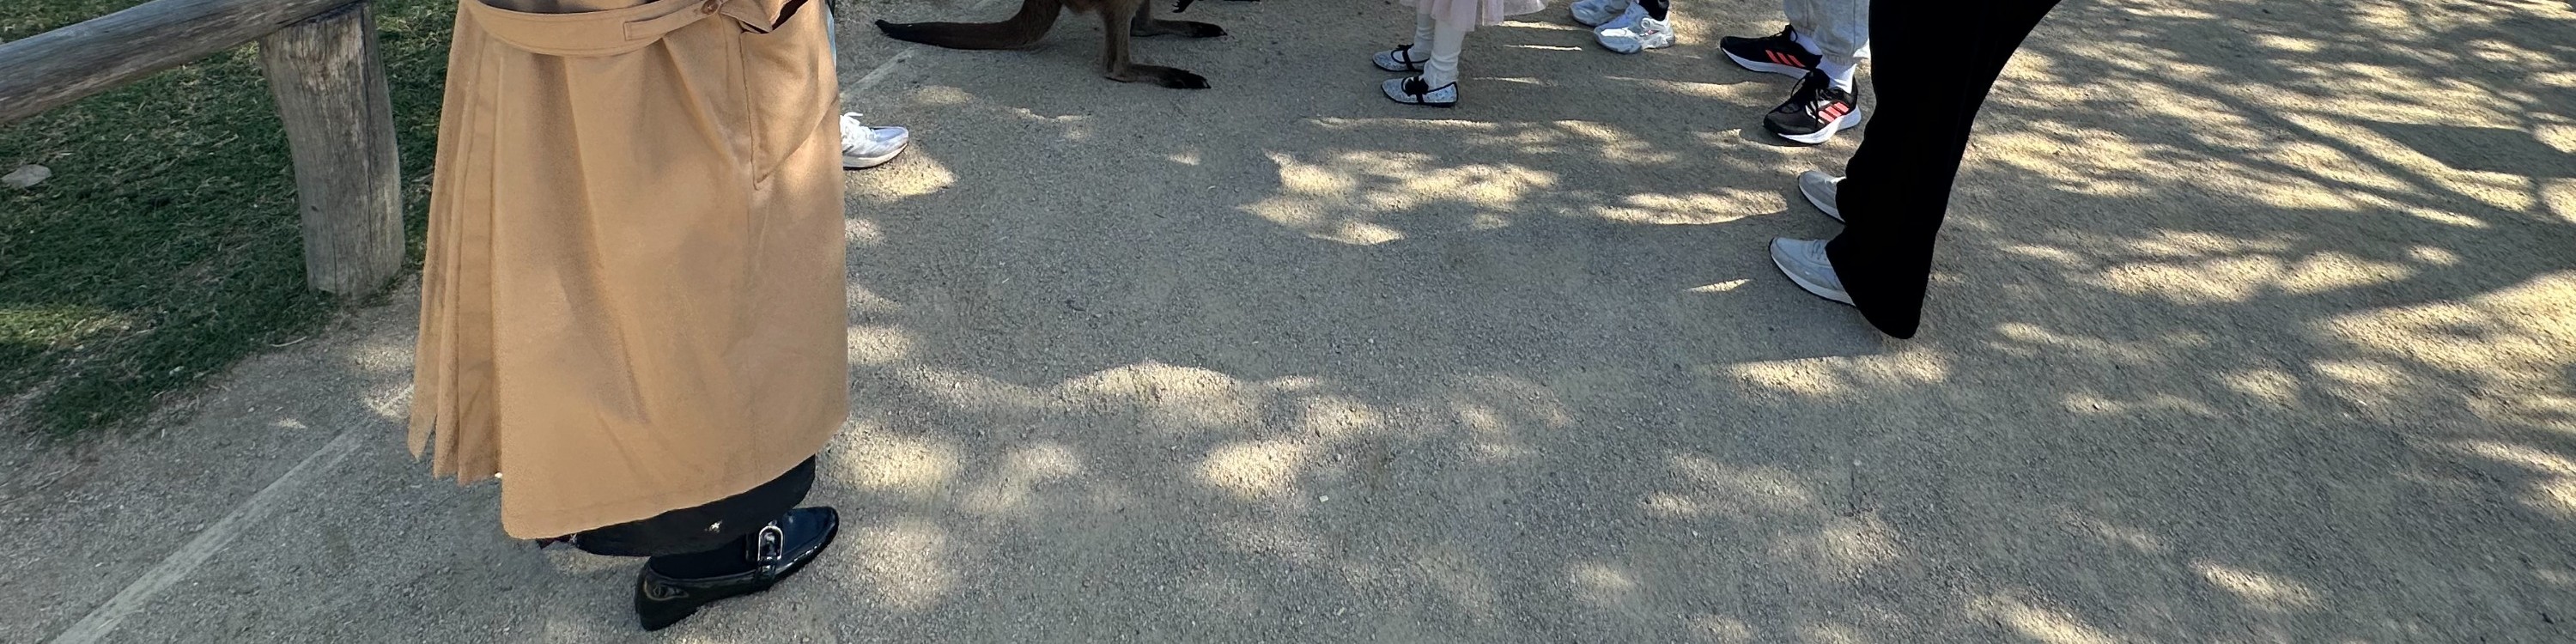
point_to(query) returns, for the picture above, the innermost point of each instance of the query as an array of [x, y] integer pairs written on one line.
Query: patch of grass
[[165, 247]]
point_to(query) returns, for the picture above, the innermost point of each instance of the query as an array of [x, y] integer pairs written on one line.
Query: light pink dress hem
[[1475, 12]]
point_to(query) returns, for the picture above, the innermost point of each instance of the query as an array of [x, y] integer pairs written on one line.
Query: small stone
[[27, 176]]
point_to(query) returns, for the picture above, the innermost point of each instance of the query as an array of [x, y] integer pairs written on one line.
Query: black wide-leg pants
[[1931, 66], [705, 527]]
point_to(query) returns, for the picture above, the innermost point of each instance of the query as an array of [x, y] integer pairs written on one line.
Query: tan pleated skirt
[[633, 295]]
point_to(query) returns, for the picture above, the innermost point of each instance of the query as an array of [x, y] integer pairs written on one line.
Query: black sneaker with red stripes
[[1778, 53], [1816, 112]]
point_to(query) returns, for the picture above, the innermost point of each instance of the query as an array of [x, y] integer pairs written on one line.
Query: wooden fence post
[[330, 87]]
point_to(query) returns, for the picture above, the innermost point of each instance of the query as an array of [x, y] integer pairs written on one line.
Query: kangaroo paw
[[1159, 75], [1178, 28], [1179, 79]]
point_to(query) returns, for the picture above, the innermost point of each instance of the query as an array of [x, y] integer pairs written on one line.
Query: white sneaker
[[1804, 261], [1626, 18], [1821, 190], [1594, 12], [868, 147], [1639, 35]]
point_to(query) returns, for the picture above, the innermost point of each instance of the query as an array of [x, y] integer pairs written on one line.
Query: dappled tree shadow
[[2253, 322], [2246, 327]]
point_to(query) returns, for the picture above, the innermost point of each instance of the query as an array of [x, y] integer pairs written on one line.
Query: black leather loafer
[[775, 552]]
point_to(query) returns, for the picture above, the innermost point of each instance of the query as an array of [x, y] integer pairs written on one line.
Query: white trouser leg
[[1835, 29]]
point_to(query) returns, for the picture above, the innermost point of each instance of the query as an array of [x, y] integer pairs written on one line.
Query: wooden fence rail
[[321, 61]]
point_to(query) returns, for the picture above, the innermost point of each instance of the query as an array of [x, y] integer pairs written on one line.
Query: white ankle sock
[[1446, 41], [1842, 73], [1800, 35]]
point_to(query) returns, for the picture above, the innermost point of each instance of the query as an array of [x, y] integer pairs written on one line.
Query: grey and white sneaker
[[1399, 59], [1639, 35], [1413, 91], [868, 147], [1593, 13], [1820, 189], [1626, 18], [1804, 261]]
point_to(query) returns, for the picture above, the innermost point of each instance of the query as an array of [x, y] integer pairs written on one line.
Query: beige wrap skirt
[[632, 300]]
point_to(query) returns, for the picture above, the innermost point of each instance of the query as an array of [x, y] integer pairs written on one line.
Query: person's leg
[[2012, 23], [1409, 57], [733, 546], [701, 528], [1897, 189], [1438, 84], [1448, 40], [1825, 59], [1803, 16], [863, 146], [1835, 30], [673, 587]]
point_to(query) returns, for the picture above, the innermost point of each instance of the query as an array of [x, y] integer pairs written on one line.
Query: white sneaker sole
[[1819, 202], [862, 163], [1810, 287], [1765, 66], [1633, 46], [1848, 121]]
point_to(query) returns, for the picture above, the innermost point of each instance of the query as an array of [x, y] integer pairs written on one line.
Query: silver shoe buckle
[[770, 545]]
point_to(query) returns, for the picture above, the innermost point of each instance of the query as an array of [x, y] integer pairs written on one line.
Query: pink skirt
[[1474, 13]]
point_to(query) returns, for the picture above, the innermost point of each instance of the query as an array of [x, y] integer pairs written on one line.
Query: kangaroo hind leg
[[1147, 25], [1117, 18]]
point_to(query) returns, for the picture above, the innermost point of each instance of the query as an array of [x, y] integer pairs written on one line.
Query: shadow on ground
[[2255, 322]]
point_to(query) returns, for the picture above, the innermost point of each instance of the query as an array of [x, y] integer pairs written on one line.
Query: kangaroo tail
[[1032, 22]]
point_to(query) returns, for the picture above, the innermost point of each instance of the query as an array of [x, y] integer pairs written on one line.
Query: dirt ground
[[2254, 322]]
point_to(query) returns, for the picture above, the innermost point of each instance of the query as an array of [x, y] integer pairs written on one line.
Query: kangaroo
[[1119, 18]]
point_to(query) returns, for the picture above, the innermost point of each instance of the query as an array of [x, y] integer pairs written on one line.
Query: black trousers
[[705, 527], [1932, 63]]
